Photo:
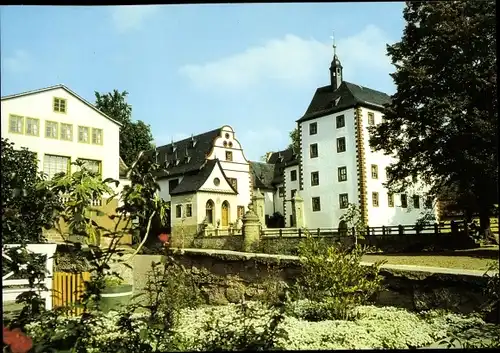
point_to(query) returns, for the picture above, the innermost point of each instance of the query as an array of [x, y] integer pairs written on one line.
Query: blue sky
[[193, 68]]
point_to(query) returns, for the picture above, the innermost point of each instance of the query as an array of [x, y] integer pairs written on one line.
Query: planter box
[[113, 298]]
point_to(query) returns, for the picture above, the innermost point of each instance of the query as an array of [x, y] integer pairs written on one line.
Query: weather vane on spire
[[334, 46]]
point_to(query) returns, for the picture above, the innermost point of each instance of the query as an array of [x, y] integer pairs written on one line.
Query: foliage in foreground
[[229, 328], [333, 278]]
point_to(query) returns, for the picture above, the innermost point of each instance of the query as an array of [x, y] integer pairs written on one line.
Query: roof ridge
[[193, 136]]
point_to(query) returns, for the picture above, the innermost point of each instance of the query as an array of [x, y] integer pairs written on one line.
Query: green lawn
[[472, 259]]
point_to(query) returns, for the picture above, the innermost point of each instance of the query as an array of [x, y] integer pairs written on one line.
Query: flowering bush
[[247, 325], [16, 340]]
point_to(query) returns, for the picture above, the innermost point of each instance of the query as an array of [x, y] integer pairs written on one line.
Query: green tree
[[134, 136], [442, 122], [28, 205], [295, 137]]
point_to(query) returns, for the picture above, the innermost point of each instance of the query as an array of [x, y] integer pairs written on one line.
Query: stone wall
[[387, 244], [231, 275]]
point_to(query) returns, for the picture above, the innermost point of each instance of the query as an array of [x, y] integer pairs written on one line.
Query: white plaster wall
[[268, 201], [327, 164], [385, 215], [218, 199], [40, 106], [278, 200], [164, 189], [289, 186], [238, 168], [184, 200]]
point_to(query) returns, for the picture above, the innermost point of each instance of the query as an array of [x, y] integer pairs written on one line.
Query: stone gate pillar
[[251, 230], [258, 201], [298, 210]]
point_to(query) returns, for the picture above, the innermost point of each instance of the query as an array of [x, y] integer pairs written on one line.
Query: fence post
[[318, 233], [300, 232], [417, 229], [436, 229], [401, 230], [353, 231], [367, 230], [281, 232], [383, 230], [453, 226]]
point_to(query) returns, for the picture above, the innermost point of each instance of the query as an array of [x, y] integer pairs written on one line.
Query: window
[[55, 164], [404, 201], [374, 171], [51, 128], [293, 175], [241, 211], [313, 150], [178, 211], [32, 127], [371, 119], [281, 191], [59, 105], [67, 132], [375, 199], [341, 144], [189, 210], [390, 200], [316, 204], [428, 202], [314, 178], [387, 173], [92, 165], [340, 121], [209, 212], [313, 128], [83, 134], [233, 182], [342, 171], [294, 191], [416, 201], [229, 156], [172, 184], [16, 124], [97, 136], [344, 200]]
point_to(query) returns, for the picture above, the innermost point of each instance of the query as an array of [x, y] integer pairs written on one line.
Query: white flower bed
[[375, 328]]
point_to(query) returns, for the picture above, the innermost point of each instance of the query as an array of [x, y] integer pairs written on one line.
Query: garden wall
[[227, 276], [387, 243]]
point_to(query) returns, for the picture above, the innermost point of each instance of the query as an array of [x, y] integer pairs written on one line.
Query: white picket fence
[[10, 294]]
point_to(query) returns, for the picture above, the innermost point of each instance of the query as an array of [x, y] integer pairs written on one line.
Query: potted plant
[[116, 293]]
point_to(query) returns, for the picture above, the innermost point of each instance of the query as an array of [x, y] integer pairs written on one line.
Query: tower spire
[[335, 67]]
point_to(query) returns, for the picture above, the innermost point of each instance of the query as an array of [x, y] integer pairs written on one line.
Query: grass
[[471, 259]]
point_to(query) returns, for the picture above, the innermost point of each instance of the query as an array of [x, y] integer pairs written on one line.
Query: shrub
[[28, 206], [333, 276]]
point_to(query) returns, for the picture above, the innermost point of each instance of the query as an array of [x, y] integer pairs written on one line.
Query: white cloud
[[291, 60], [18, 62], [126, 18]]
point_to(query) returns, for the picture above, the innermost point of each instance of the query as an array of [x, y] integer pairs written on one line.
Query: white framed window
[[97, 136], [51, 128], [32, 127], [66, 132], [53, 164], [83, 134], [16, 123]]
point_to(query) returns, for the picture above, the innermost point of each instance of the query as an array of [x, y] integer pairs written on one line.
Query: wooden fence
[[400, 230], [68, 289]]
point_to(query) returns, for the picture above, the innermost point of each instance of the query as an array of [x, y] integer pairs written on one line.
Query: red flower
[[164, 238], [17, 340]]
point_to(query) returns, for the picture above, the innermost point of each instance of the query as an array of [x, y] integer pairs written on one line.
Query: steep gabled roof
[[193, 181], [281, 160], [51, 88], [327, 101], [188, 155], [262, 175]]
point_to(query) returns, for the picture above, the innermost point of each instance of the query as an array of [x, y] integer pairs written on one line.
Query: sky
[[194, 68]]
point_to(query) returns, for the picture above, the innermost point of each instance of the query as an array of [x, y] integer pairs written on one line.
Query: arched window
[[343, 228], [225, 214], [209, 211]]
